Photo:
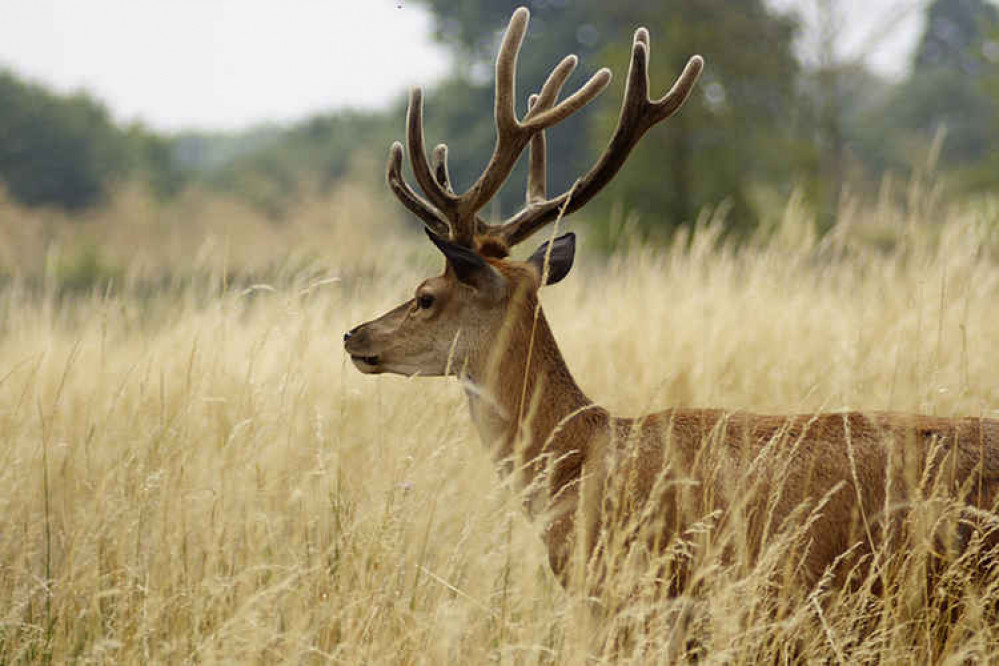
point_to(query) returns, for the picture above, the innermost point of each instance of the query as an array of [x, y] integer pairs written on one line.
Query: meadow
[[193, 471]]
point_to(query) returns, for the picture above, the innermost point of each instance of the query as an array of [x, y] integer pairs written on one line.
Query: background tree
[[950, 86], [985, 176], [282, 168], [739, 135], [841, 103], [735, 134], [65, 150], [56, 150]]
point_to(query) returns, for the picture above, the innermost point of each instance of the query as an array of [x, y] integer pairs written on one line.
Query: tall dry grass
[[200, 475]]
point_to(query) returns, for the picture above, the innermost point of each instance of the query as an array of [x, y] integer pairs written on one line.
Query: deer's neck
[[527, 407]]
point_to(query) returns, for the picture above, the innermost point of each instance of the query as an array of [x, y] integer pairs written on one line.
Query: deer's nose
[[348, 334]]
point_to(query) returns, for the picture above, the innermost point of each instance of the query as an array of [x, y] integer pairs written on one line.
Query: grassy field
[[193, 471]]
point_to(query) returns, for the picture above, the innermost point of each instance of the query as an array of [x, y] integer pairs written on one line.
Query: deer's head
[[454, 315], [461, 314]]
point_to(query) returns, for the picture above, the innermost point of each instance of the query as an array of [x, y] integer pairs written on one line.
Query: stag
[[592, 477]]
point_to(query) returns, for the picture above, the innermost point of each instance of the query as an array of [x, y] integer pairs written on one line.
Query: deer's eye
[[425, 301]]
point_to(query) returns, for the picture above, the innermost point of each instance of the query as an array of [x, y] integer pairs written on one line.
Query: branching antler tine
[[553, 86], [440, 167], [668, 104], [460, 212], [638, 114], [637, 102], [571, 104], [537, 186], [506, 70], [511, 137], [642, 35], [636, 88], [418, 157], [410, 199]]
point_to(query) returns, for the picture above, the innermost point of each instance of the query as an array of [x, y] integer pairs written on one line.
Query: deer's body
[[845, 479], [693, 462]]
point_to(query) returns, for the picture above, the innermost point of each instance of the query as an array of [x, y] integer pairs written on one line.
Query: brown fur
[[845, 479], [493, 248]]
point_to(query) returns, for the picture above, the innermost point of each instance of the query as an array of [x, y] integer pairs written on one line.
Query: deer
[[589, 476]]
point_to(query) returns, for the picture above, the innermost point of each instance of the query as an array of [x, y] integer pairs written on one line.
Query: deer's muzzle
[[356, 342]]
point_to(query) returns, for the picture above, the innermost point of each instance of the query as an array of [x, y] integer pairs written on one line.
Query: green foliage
[[954, 89], [200, 152], [985, 175], [66, 151], [758, 124], [948, 86], [56, 150], [151, 158], [736, 131], [315, 153], [955, 33]]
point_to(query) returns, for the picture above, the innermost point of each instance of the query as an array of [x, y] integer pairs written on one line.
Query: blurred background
[[141, 130]]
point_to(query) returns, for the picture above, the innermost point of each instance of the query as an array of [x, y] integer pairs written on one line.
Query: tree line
[[761, 123]]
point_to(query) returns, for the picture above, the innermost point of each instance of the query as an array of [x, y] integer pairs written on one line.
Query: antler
[[459, 212], [638, 114], [448, 214]]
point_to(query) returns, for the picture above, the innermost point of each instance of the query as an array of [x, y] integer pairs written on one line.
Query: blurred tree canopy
[[952, 90], [280, 168], [55, 150], [950, 77], [760, 122], [66, 151]]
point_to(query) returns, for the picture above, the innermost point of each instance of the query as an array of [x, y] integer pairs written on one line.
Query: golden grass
[[206, 478]]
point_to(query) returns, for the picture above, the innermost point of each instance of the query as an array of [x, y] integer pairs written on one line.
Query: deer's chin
[[369, 365], [375, 365]]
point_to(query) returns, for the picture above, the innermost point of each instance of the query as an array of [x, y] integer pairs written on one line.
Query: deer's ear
[[560, 259], [468, 265]]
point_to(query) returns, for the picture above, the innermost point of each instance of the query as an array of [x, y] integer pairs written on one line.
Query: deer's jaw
[[371, 357], [387, 363], [367, 364], [387, 345]]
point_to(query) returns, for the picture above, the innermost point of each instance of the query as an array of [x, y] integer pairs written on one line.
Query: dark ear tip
[[568, 237], [562, 253], [567, 241], [434, 238], [465, 262]]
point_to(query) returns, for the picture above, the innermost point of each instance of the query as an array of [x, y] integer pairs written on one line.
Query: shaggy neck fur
[[528, 409]]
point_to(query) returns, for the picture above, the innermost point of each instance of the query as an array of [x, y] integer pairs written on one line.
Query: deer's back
[[853, 475]]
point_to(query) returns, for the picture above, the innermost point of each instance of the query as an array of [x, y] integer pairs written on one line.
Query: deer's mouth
[[362, 361]]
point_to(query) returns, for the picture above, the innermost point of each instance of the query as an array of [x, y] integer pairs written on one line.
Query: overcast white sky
[[226, 64], [221, 63]]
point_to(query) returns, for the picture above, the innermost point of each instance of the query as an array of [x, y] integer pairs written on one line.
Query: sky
[[221, 64], [230, 64]]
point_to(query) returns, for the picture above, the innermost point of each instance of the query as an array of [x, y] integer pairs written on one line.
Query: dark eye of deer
[[425, 301]]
